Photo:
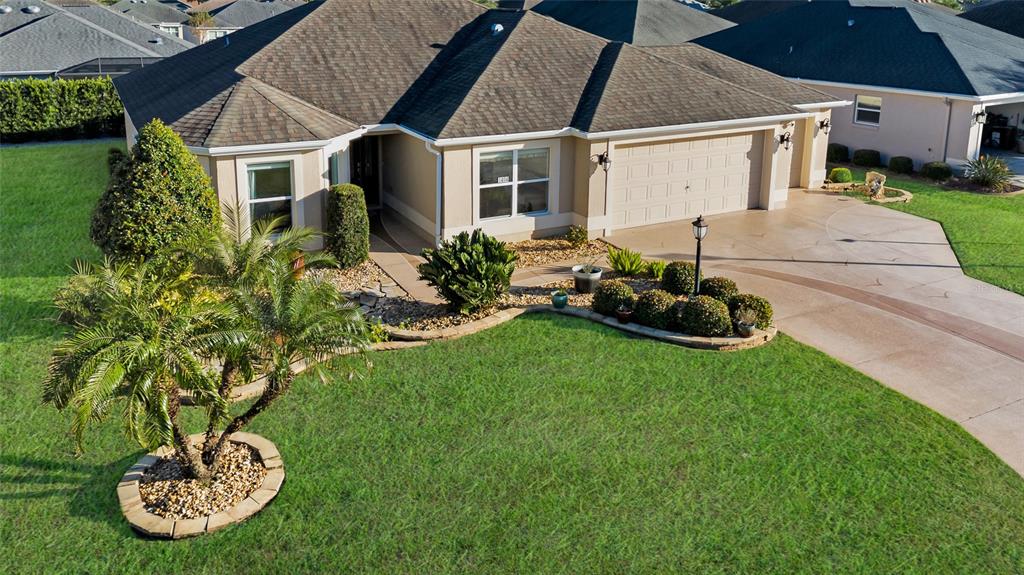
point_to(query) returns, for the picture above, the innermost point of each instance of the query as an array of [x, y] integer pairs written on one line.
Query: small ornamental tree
[[347, 225], [155, 198]]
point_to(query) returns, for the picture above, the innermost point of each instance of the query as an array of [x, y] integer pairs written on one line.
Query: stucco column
[[773, 197]]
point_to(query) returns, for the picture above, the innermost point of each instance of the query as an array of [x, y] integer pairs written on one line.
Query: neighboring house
[[232, 16], [749, 10], [1004, 15], [637, 22], [41, 40], [921, 78], [165, 15], [457, 117]]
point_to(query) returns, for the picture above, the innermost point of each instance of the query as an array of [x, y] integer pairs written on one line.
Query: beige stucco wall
[[458, 187], [910, 125], [308, 181], [410, 180], [589, 183]]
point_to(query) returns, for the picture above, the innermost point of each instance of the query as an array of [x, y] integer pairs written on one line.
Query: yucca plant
[[470, 272], [989, 172], [626, 262]]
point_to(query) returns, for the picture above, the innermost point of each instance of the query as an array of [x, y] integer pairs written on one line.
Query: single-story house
[[1003, 15], [637, 22], [923, 81], [168, 16], [41, 40], [457, 117], [237, 14]]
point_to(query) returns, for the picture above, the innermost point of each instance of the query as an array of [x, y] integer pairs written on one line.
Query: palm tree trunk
[[276, 386], [227, 382], [186, 455]]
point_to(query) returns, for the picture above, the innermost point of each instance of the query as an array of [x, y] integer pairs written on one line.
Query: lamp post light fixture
[[700, 231]]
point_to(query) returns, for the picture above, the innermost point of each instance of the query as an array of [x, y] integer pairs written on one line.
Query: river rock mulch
[[406, 313], [167, 493], [546, 251], [365, 276]]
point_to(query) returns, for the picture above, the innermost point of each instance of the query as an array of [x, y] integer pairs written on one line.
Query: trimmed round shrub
[[679, 277], [469, 272], [901, 165], [868, 158], [157, 197], [837, 153], [347, 225], [840, 175], [577, 236], [610, 295], [937, 171], [705, 316], [754, 303], [719, 288], [114, 159], [654, 308]]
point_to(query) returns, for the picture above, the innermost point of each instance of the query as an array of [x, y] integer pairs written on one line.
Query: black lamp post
[[700, 231]]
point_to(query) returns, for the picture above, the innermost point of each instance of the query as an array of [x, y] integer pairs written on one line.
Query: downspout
[[439, 204], [949, 122]]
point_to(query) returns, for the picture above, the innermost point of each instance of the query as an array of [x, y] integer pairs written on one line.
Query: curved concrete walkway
[[880, 290]]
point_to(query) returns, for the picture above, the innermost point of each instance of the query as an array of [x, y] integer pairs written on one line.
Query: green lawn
[[986, 232], [547, 444]]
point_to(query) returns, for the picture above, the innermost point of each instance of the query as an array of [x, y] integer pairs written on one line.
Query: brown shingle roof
[[443, 68]]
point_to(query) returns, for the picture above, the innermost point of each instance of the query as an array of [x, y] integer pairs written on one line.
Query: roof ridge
[[256, 88], [713, 77], [104, 31], [260, 85], [589, 99], [143, 24]]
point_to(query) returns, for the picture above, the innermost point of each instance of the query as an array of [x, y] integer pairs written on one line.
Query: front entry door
[[365, 154]]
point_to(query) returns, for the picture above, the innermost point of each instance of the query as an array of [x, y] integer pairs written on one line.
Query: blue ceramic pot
[[559, 301]]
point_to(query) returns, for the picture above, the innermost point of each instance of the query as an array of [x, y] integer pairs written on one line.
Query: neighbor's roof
[[891, 43], [59, 37], [242, 13], [153, 11], [446, 69], [1004, 15], [638, 22]]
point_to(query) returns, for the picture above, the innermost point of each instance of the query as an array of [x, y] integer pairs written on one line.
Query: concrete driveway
[[879, 290]]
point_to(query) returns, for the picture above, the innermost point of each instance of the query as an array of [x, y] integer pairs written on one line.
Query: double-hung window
[[868, 110], [270, 191], [514, 182]]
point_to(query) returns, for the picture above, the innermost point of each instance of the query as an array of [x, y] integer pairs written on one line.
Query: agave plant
[[990, 172]]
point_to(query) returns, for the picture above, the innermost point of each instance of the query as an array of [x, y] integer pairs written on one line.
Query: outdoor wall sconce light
[[825, 125], [786, 140], [604, 161], [981, 117]]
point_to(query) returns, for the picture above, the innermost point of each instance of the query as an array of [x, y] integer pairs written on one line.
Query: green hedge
[[59, 109], [347, 225]]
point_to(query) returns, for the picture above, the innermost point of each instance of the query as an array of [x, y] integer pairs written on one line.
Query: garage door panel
[[684, 178]]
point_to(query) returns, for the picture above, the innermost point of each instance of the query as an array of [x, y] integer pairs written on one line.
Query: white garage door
[[679, 179]]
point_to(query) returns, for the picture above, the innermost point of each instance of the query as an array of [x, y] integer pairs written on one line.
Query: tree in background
[[157, 196], [200, 20]]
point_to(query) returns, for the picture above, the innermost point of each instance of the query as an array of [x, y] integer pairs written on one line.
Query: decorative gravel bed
[[551, 250], [167, 493], [365, 275], [415, 315]]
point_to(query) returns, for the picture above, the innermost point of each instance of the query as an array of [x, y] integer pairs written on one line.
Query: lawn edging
[[731, 343], [160, 527]]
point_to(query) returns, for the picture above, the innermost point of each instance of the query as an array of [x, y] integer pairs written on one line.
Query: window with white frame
[[270, 191], [868, 110], [514, 182]]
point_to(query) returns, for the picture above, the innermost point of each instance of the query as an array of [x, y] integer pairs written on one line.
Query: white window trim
[[554, 149], [242, 177], [857, 109]]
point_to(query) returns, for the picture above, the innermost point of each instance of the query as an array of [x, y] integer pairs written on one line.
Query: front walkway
[[880, 290], [1014, 160]]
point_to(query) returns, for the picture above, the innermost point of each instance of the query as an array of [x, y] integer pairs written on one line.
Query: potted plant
[[746, 319], [624, 314], [586, 277], [559, 298]]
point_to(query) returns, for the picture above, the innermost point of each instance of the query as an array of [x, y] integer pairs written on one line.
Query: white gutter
[[276, 147], [699, 127], [818, 106], [472, 140], [1002, 98], [951, 96]]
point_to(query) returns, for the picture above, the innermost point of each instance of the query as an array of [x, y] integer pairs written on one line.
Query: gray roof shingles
[[444, 69], [891, 43], [1004, 15], [637, 22], [153, 11], [242, 13]]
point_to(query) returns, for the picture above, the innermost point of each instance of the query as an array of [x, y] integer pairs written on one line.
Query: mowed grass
[[547, 444], [985, 231]]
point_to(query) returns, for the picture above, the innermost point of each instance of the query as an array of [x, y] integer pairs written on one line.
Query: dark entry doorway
[[365, 155]]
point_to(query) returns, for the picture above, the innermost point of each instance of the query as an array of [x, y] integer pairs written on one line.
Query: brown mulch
[[551, 250], [406, 313], [167, 493]]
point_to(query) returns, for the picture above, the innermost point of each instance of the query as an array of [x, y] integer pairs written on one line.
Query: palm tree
[[151, 329]]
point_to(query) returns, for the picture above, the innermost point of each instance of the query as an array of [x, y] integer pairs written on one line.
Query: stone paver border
[[159, 527], [732, 343]]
